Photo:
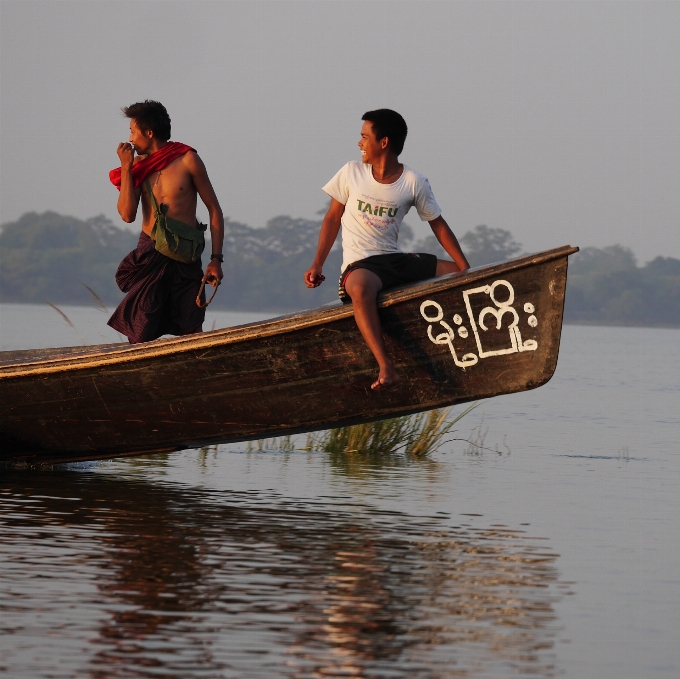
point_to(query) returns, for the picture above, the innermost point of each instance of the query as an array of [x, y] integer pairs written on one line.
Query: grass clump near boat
[[283, 443], [415, 435]]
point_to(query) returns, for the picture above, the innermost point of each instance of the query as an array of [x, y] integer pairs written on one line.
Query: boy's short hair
[[150, 115], [388, 123]]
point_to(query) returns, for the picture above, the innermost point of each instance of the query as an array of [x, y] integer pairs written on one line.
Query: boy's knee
[[362, 284], [361, 292]]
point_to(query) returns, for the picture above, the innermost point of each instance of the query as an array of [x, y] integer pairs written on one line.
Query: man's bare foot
[[387, 378]]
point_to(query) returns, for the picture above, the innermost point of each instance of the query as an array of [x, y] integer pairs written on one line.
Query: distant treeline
[[605, 286], [51, 257]]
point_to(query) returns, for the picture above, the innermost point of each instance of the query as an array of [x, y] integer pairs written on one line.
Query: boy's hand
[[126, 154], [313, 277], [214, 273]]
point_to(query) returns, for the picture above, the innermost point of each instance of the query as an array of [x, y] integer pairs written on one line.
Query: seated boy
[[369, 199]]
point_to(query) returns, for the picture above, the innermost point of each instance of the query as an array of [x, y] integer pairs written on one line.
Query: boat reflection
[[193, 582]]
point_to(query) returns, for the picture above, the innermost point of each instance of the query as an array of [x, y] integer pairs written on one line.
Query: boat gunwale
[[298, 320]]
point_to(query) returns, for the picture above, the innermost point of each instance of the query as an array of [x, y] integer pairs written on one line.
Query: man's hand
[[126, 154], [313, 277], [213, 273], [128, 200]]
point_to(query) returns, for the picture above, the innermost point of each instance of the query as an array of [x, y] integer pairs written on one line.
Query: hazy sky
[[559, 121]]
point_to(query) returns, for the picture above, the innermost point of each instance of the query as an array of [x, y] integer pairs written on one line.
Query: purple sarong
[[161, 295]]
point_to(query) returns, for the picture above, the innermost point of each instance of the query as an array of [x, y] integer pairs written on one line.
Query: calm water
[[551, 551]]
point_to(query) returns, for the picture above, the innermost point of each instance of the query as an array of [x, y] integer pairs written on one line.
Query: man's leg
[[445, 266], [187, 316], [363, 287]]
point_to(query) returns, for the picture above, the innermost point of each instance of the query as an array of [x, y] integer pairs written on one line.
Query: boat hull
[[489, 331]]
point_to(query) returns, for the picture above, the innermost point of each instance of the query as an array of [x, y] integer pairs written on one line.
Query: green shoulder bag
[[177, 240]]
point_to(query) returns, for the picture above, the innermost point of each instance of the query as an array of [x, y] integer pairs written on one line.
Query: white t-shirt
[[374, 211]]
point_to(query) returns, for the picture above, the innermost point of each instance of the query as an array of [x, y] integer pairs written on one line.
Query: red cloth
[[153, 163]]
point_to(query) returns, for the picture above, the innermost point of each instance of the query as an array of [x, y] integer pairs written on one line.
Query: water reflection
[[374, 464], [190, 582]]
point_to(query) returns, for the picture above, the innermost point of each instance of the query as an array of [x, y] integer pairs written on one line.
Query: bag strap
[[147, 186]]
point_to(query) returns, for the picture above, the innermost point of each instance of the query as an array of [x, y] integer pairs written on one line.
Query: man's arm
[[128, 200], [329, 232], [449, 242], [205, 190]]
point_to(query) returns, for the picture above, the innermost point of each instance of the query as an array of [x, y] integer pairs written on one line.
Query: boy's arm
[[329, 232], [205, 190], [449, 242], [128, 199]]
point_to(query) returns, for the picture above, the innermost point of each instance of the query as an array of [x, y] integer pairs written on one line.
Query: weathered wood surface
[[492, 330]]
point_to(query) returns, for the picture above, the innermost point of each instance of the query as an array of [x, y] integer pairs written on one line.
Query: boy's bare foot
[[386, 378]]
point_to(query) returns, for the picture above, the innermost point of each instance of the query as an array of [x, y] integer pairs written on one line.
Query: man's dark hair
[[150, 115], [388, 123]]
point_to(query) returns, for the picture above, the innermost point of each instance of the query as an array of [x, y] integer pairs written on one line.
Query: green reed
[[416, 435], [282, 443]]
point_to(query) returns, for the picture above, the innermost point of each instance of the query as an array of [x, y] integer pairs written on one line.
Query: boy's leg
[[187, 317], [363, 287]]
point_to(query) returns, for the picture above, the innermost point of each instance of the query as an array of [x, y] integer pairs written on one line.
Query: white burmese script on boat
[[501, 308]]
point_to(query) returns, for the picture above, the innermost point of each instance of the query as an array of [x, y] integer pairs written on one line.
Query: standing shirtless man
[[161, 292], [369, 200]]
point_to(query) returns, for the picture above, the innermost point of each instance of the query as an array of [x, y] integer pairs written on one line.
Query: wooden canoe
[[488, 331]]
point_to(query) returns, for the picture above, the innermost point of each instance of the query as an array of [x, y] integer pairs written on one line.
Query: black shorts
[[395, 268]]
